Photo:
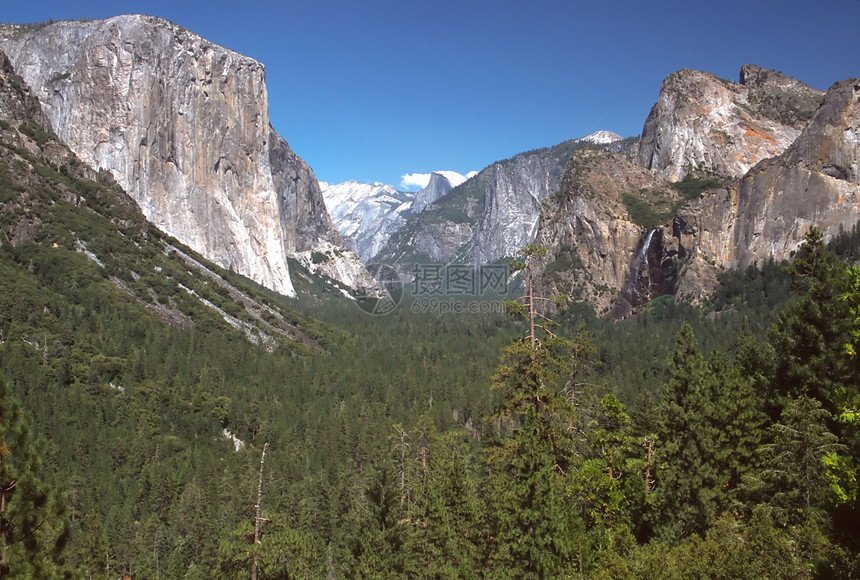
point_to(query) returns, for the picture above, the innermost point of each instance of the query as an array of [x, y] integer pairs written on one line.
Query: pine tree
[[794, 479], [446, 516], [736, 425], [609, 434], [34, 526], [378, 547], [532, 527], [706, 438], [810, 336]]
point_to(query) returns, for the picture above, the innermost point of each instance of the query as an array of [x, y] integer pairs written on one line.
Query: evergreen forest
[[161, 417]]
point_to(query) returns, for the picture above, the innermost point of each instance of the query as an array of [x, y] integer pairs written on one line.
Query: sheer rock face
[[702, 122], [815, 182], [437, 187], [765, 215], [182, 124], [512, 205]]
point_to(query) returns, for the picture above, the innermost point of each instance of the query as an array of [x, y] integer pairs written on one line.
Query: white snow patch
[[601, 138]]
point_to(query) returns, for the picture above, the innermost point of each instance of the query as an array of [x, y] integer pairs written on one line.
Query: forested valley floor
[[716, 442], [684, 443]]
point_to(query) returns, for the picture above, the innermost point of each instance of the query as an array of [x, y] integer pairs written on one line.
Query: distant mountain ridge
[[366, 215], [493, 214], [725, 174], [601, 138]]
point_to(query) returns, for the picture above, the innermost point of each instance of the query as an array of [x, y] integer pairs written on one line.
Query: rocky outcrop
[[767, 213], [759, 162], [17, 104], [696, 245], [705, 123], [595, 251], [779, 97], [182, 124]]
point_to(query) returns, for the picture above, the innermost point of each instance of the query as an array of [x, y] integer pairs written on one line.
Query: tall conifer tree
[[532, 527], [34, 526]]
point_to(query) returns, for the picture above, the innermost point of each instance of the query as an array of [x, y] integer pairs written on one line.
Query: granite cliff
[[706, 123], [765, 214], [72, 236], [183, 126]]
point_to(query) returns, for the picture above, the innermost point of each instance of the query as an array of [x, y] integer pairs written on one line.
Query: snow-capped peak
[[343, 198], [367, 214], [601, 138]]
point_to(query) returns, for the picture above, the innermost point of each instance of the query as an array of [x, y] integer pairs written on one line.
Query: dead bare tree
[[257, 518]]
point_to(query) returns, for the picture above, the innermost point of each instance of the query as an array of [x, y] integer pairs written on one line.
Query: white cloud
[[412, 181], [471, 174]]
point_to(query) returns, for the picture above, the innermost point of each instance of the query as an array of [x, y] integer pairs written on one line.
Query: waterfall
[[637, 289], [642, 258], [639, 270], [643, 269]]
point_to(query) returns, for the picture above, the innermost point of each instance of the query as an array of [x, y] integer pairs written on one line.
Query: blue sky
[[373, 90]]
